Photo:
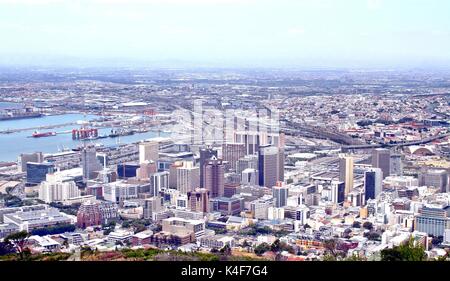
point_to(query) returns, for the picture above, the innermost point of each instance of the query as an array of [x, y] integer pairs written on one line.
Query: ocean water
[[12, 145]]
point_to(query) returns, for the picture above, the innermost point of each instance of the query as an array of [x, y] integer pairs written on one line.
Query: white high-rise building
[[274, 213], [158, 181], [188, 177], [346, 172], [56, 189], [148, 151], [337, 192], [249, 177]]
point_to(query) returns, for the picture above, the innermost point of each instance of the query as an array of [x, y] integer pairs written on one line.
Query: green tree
[[331, 248], [226, 250], [126, 224], [276, 246], [356, 224], [372, 235], [437, 240], [262, 248], [66, 244], [405, 252], [355, 257], [19, 242], [6, 248], [329, 257], [368, 225]]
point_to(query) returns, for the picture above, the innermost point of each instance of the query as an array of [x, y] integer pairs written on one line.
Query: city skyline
[[225, 130]]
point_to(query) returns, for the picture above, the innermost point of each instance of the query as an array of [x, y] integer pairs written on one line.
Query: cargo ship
[[120, 133], [37, 134], [10, 116]]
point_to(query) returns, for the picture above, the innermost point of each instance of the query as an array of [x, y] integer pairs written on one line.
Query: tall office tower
[[373, 179], [232, 152], [270, 165], [188, 177], [148, 151], [173, 174], [158, 182], [396, 166], [247, 162], [103, 158], [249, 177], [254, 139], [205, 155], [55, 188], [37, 172], [337, 192], [145, 169], [198, 200], [214, 177], [90, 163], [151, 206], [280, 193], [346, 172], [381, 158], [251, 140], [437, 178], [24, 158]]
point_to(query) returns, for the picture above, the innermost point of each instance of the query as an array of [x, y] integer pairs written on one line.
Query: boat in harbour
[[37, 134]]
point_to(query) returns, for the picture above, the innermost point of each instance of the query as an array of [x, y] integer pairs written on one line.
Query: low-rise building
[[216, 241], [33, 219]]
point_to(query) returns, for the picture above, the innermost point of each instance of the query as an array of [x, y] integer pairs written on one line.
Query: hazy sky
[[266, 32]]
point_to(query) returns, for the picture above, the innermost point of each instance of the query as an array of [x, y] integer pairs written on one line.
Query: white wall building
[[57, 188]]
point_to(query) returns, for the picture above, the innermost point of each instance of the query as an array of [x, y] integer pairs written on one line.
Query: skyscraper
[[148, 151], [381, 158], [173, 173], [158, 181], [396, 165], [187, 177], [145, 169], [249, 177], [437, 178], [198, 200], [37, 172], [152, 205], [346, 172], [251, 141], [232, 152], [247, 162], [337, 192], [205, 155], [90, 163], [373, 179], [270, 165], [24, 158], [280, 194], [214, 177]]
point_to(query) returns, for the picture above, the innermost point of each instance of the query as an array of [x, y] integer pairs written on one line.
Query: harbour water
[[11, 145]]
